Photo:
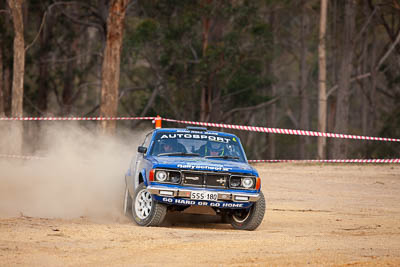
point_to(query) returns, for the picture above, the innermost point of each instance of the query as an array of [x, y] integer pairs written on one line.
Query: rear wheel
[[249, 219], [145, 210]]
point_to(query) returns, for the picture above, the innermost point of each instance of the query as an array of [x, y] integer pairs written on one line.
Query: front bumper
[[223, 195]]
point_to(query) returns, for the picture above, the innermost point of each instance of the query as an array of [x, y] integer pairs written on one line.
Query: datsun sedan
[[175, 169]]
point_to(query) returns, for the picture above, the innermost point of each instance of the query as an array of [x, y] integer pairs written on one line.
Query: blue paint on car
[[192, 167]]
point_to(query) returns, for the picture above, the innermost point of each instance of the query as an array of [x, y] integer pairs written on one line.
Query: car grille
[[193, 179], [211, 180]]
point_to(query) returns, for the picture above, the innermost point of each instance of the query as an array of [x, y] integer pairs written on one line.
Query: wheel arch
[[141, 178]]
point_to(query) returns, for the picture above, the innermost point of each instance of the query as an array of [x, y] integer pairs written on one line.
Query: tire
[[145, 210], [251, 218], [127, 203]]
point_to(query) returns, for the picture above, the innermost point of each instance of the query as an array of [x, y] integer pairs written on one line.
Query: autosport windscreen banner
[[207, 137]]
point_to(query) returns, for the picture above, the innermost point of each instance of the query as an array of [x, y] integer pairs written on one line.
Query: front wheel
[[249, 219], [145, 210]]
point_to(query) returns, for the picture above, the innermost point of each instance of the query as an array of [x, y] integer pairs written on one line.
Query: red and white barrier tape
[[20, 157], [284, 131], [327, 161], [76, 118], [260, 160], [211, 124]]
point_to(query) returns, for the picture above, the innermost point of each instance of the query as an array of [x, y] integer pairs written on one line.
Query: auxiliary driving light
[[241, 198], [161, 176], [166, 193]]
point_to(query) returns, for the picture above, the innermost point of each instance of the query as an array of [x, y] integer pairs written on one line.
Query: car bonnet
[[202, 164]]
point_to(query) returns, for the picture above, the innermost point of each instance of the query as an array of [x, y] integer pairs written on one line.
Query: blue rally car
[[178, 168]]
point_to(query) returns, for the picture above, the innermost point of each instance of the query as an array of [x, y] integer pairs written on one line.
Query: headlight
[[247, 182], [235, 181], [161, 176], [175, 177]]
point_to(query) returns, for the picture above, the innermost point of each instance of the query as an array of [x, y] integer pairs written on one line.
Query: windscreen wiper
[[179, 154], [223, 157]]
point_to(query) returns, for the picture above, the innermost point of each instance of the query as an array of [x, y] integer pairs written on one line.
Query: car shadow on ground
[[189, 220]]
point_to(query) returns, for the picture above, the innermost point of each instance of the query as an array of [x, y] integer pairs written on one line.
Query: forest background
[[331, 66]]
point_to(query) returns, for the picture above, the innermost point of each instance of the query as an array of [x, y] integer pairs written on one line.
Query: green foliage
[[251, 47], [261, 29], [146, 31], [233, 57]]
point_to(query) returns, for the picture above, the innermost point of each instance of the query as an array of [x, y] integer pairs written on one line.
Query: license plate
[[204, 195]]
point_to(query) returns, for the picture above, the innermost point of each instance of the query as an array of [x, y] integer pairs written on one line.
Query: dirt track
[[316, 214]]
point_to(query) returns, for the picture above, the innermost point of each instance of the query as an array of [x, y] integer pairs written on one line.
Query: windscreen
[[197, 144]]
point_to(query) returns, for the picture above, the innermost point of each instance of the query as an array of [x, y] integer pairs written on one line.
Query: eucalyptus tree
[[18, 71], [322, 100], [205, 57], [111, 64]]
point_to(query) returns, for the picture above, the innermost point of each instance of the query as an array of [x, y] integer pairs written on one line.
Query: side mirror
[[142, 149]]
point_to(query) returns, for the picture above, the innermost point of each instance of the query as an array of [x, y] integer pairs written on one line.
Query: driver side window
[[147, 139]]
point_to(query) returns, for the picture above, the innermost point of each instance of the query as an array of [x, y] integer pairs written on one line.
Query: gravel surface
[[335, 215]]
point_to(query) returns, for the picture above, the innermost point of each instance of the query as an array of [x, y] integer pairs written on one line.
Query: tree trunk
[[322, 99], [2, 88], [18, 72], [206, 90], [272, 123], [304, 114], [343, 94], [43, 90], [43, 79], [7, 88], [368, 63], [67, 97], [215, 99], [111, 64], [369, 95], [271, 111]]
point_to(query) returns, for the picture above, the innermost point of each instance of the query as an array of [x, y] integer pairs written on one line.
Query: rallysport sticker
[[223, 205], [203, 167]]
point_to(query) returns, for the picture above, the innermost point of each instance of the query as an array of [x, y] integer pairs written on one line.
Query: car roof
[[192, 130]]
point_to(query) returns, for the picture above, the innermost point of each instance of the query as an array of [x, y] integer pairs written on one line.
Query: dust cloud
[[81, 174]]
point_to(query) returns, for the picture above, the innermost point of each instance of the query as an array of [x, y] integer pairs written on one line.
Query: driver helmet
[[216, 147], [168, 145]]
